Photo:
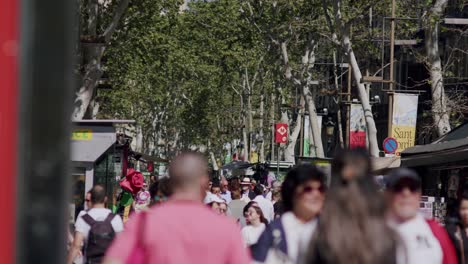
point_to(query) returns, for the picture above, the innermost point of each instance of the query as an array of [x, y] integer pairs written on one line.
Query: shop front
[[97, 154], [443, 168]]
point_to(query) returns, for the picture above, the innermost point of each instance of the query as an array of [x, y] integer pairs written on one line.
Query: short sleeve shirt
[[98, 214], [181, 232]]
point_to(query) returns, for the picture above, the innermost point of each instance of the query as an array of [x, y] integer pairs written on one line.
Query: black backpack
[[100, 237]]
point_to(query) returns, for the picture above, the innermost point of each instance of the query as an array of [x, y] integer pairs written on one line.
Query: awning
[[452, 147], [382, 163], [148, 158], [90, 142]]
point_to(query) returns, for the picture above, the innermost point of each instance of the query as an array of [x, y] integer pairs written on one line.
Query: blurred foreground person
[[160, 190], [352, 227], [181, 230], [285, 240], [96, 227], [425, 241], [257, 223], [458, 232]]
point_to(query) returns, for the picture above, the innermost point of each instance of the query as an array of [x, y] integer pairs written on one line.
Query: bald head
[[98, 194], [189, 170]]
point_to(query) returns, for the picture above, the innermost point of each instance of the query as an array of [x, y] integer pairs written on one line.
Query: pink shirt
[[179, 232]]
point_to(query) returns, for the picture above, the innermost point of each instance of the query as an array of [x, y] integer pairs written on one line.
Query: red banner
[[357, 139], [357, 127], [281, 133], [8, 125]]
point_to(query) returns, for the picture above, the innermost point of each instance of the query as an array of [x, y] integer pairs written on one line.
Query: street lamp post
[[330, 132]]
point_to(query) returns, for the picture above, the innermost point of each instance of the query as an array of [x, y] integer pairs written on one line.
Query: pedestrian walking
[[257, 223], [286, 239], [458, 231], [277, 204], [236, 206], [265, 204], [225, 193], [425, 240], [214, 202], [216, 189], [247, 194], [352, 227], [160, 191], [95, 228], [181, 230], [275, 187]]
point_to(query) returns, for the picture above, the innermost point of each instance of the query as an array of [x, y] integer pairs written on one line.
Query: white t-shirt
[[422, 247], [98, 214], [298, 235], [266, 206], [251, 234]]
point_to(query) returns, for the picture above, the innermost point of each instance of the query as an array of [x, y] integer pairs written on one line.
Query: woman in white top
[[256, 223]]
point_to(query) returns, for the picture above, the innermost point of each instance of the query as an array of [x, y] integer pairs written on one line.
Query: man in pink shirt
[[182, 230]]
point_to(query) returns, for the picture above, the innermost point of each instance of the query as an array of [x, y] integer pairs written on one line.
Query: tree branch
[[115, 20]]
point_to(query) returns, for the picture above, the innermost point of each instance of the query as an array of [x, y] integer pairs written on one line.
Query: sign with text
[[405, 111], [357, 127], [82, 134], [281, 133]]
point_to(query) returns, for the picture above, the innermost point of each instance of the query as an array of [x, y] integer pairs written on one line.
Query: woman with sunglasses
[[256, 223], [352, 227], [303, 194]]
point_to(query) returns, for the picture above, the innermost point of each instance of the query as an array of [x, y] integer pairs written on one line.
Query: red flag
[[281, 133]]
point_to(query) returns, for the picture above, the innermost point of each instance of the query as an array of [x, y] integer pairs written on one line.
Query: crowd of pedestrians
[[306, 218]]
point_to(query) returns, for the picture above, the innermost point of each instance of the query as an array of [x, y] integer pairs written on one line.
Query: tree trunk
[[250, 127], [289, 152], [138, 138], [347, 46], [440, 114], [371, 128], [272, 128], [337, 101], [262, 144], [314, 126], [94, 53], [245, 139]]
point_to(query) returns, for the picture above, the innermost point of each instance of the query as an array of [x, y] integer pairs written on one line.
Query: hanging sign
[[405, 110], [281, 133], [357, 127]]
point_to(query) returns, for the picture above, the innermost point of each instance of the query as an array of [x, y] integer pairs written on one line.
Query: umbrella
[[237, 164]]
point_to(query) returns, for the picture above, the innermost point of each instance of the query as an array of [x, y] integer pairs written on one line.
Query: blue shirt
[[226, 196]]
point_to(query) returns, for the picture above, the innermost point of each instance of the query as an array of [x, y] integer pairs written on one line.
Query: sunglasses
[[159, 198], [401, 187], [309, 189]]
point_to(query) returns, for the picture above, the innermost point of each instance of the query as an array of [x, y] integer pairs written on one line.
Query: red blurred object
[[150, 166], [133, 181], [9, 18], [357, 139], [281, 133]]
